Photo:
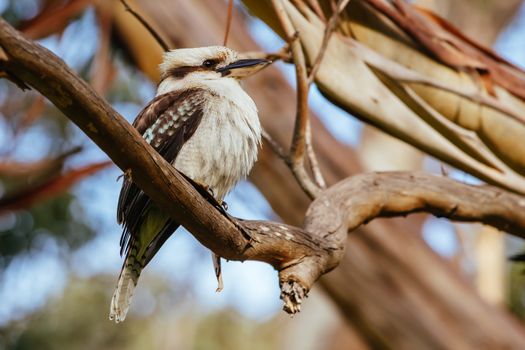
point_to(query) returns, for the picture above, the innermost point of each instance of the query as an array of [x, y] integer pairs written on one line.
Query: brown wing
[[167, 122]]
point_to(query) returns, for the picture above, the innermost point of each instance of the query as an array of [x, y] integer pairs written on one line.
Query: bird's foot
[[202, 185], [223, 204], [126, 174], [206, 188], [210, 191]]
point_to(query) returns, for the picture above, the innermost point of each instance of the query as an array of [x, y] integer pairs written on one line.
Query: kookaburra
[[203, 123]]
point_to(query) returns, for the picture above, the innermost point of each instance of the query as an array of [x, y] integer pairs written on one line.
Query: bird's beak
[[243, 68]]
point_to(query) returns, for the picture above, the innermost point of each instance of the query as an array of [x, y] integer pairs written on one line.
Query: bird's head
[[212, 62]]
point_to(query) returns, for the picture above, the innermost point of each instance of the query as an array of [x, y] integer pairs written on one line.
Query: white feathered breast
[[224, 147]]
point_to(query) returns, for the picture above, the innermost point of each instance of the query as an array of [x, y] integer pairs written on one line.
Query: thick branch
[[114, 135], [382, 291], [362, 198], [301, 256]]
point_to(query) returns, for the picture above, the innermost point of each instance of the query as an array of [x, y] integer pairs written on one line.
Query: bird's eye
[[209, 63]]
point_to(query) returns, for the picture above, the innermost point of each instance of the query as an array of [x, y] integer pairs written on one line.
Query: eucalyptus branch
[[301, 255], [146, 25], [331, 25], [299, 139]]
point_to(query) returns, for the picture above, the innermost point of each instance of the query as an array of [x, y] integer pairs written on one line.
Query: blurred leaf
[[31, 172], [450, 46], [62, 218], [516, 289], [54, 186], [102, 70], [413, 78], [136, 40], [53, 18]]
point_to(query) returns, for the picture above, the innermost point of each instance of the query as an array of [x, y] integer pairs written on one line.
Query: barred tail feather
[[127, 282], [153, 232]]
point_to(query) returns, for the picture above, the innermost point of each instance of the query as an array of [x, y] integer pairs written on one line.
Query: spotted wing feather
[[167, 122]]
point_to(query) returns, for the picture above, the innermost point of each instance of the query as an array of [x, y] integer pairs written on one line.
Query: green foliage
[[60, 218], [516, 290], [229, 330], [78, 320]]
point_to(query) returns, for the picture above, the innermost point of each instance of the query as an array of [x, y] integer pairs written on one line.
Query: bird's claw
[[126, 174], [202, 185], [206, 188]]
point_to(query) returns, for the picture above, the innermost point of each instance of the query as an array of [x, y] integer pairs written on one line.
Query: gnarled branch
[[300, 255], [277, 244], [364, 197]]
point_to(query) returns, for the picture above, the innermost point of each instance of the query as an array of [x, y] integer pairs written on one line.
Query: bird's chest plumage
[[224, 147]]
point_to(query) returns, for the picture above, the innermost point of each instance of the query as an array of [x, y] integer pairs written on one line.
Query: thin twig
[[329, 29], [282, 54], [301, 143], [314, 5], [281, 153], [275, 146], [298, 147], [228, 22], [314, 164], [146, 25]]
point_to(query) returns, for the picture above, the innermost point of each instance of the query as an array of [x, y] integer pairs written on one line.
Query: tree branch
[[162, 43], [300, 136], [331, 25], [300, 255], [280, 245], [364, 197], [229, 19]]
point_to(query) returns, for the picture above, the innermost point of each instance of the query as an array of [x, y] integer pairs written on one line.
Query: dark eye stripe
[[181, 72], [209, 63]]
